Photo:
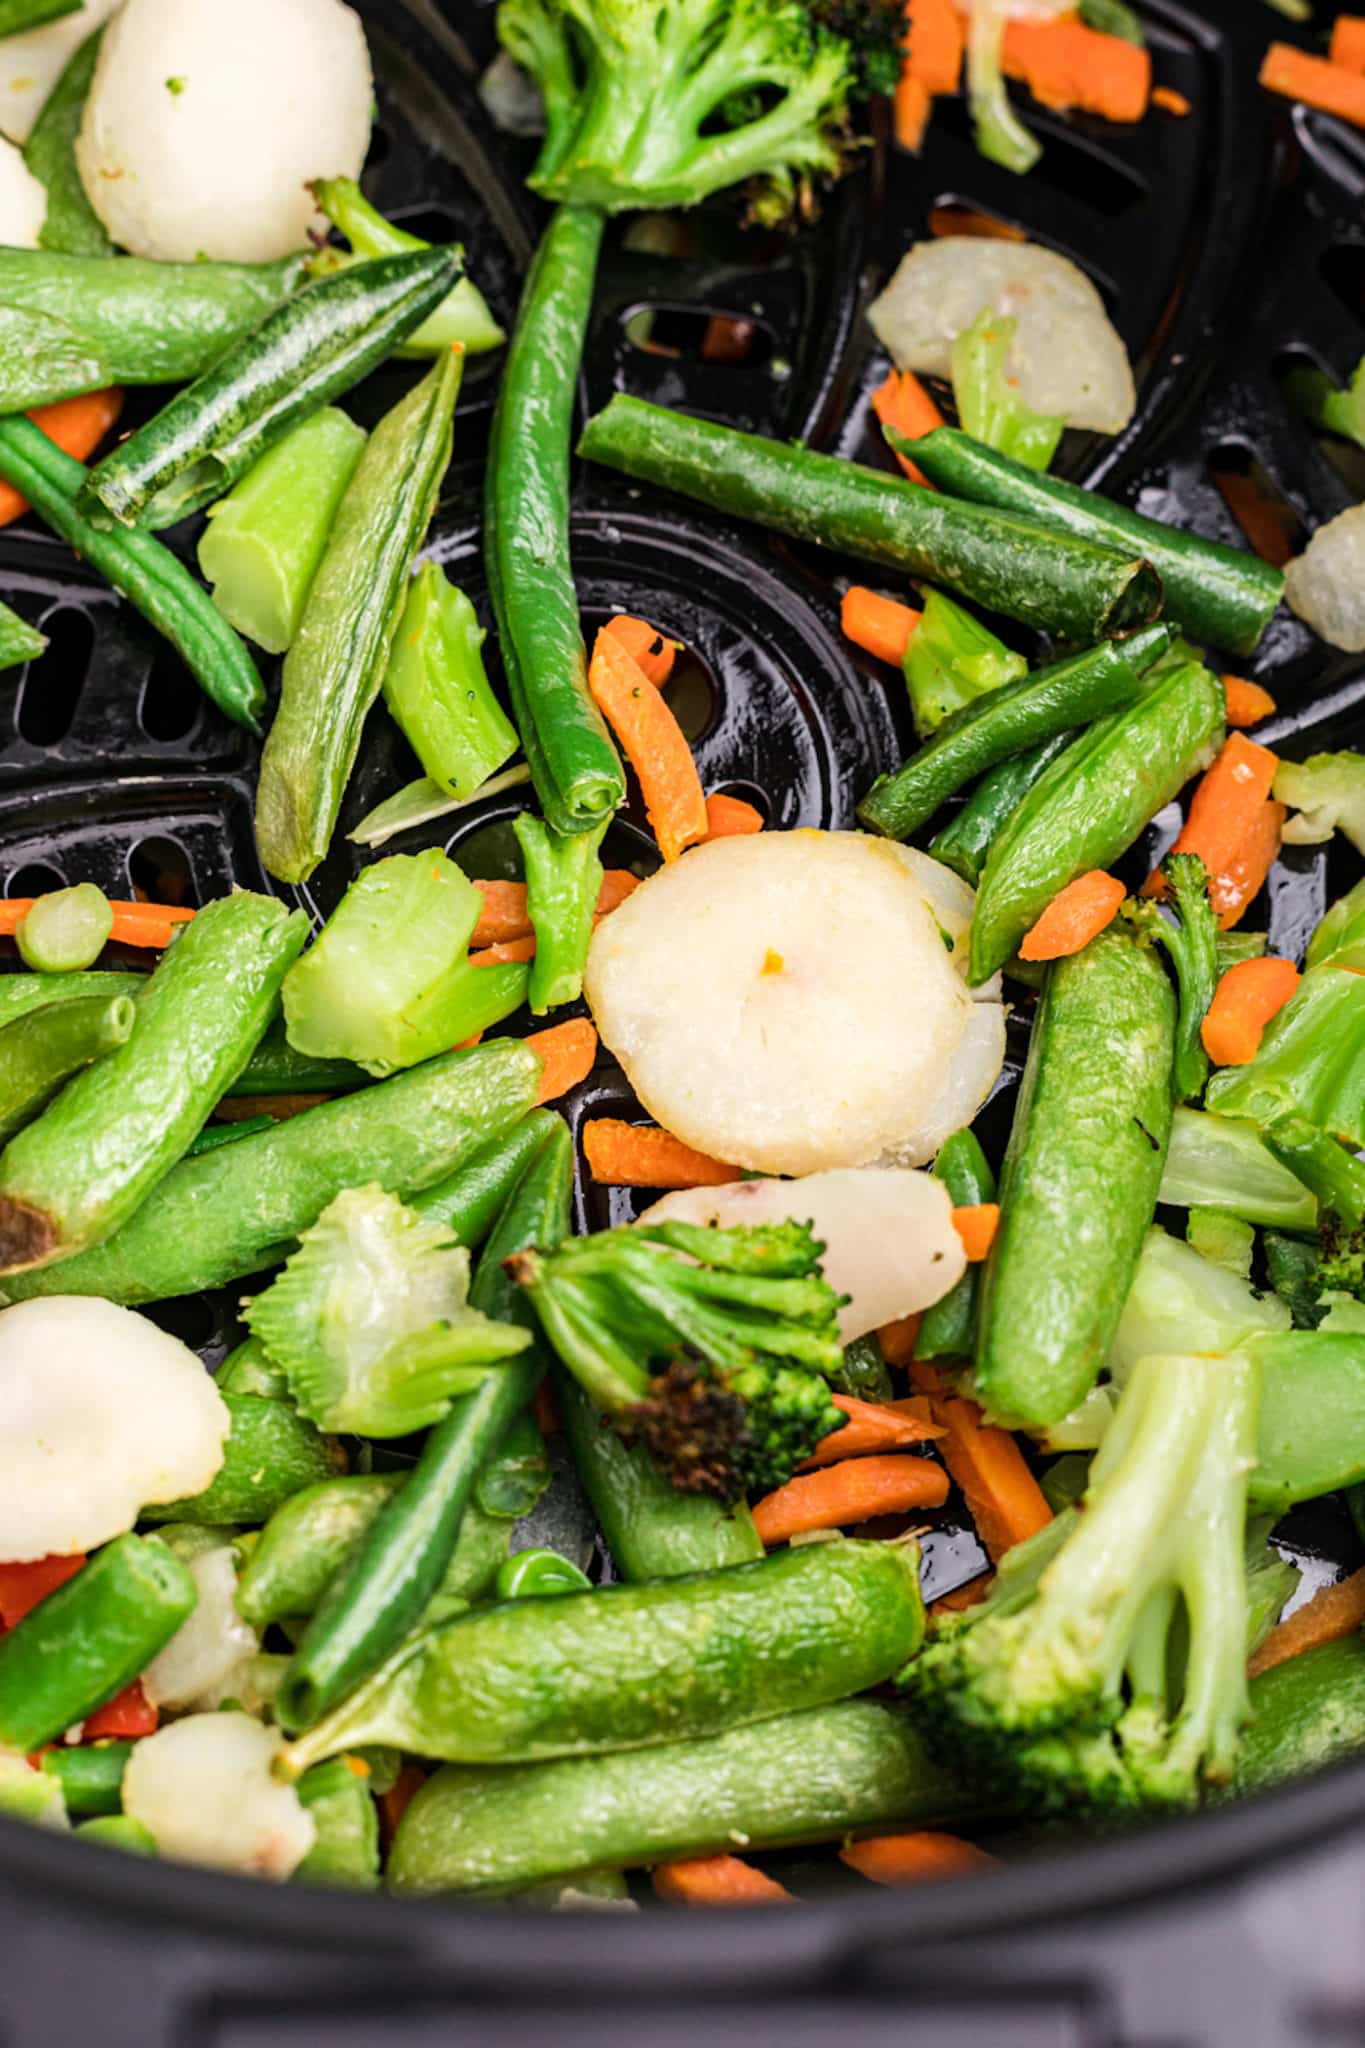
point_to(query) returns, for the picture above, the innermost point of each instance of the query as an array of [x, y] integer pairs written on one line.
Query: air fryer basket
[[1226, 243]]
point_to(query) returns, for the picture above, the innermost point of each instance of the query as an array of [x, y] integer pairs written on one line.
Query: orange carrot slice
[[1335, 1612], [901, 401], [1065, 64], [503, 952], [976, 1224], [729, 817], [874, 1426], [879, 625], [1234, 887], [135, 924], [1247, 702], [898, 1339], [1347, 46], [1224, 807], [654, 744], [1243, 1004], [22, 1586], [1315, 81], [915, 1858], [503, 916], [963, 1597], [853, 1491], [717, 1881], [76, 426], [911, 107], [642, 1156], [1169, 100], [933, 44], [567, 1053], [1077, 914], [646, 645], [1005, 1500]]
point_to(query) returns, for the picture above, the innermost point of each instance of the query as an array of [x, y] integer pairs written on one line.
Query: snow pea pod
[[304, 354], [271, 1452], [333, 671], [345, 1847], [625, 1667], [967, 837], [1090, 804], [18, 640], [43, 1048], [1017, 566], [813, 1777], [89, 1639], [948, 1328], [73, 1177], [71, 223]]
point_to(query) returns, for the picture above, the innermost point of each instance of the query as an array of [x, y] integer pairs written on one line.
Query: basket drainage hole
[[160, 872], [691, 695], [1272, 527], [52, 684], [381, 145], [190, 1318], [429, 223], [35, 879], [688, 334], [1343, 272], [169, 709]]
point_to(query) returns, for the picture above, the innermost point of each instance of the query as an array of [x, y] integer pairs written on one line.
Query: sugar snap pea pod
[[91, 1776], [624, 1667], [573, 763], [236, 1210], [43, 1048], [144, 571], [437, 688], [1090, 805], [22, 993], [1079, 1184], [652, 1530], [563, 883], [812, 1777], [345, 1847], [333, 671], [1020, 567], [119, 1831], [41, 359], [71, 223], [73, 1177], [967, 837], [372, 1604], [1218, 594], [948, 1328], [1005, 722], [89, 1639], [270, 1453], [470, 1200], [1305, 1714], [18, 640], [303, 355]]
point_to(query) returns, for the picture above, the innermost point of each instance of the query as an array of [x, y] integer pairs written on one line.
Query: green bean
[[1305, 1714], [235, 1210], [71, 223], [18, 17], [91, 1776], [146, 573], [66, 930], [214, 1135], [43, 1048], [1012, 565], [119, 1831], [437, 689], [89, 1639], [276, 1068], [345, 1847], [948, 1328], [511, 1483], [19, 642], [270, 1453], [22, 993], [539, 1574], [812, 1777], [334, 669], [563, 883], [966, 839]]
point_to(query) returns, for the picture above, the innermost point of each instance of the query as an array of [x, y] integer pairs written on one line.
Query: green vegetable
[[39, 354], [333, 671], [422, 801], [573, 763], [17, 17], [651, 1530], [819, 1776], [270, 1454], [1310, 1062], [951, 659], [1292, 1268], [1312, 1423], [66, 930], [470, 1201], [91, 1777], [1339, 940], [1271, 1581], [89, 1639], [864, 1373], [1224, 1238], [539, 1574], [462, 320], [19, 641], [1220, 1163], [1179, 1297], [70, 1179], [1337, 1179], [118, 1831], [30, 1795], [1307, 1713], [1007, 721], [510, 1484], [144, 571], [370, 1322], [381, 986], [1328, 792], [966, 839], [41, 1049], [1191, 943], [1016, 566], [438, 691], [1000, 135], [1314, 394], [247, 1370], [1079, 1182], [620, 1667], [214, 1135], [1090, 805], [345, 1847], [275, 1068], [988, 405], [1235, 946], [263, 542], [948, 1328], [1113, 18], [71, 224], [237, 1209], [563, 883], [1218, 594]]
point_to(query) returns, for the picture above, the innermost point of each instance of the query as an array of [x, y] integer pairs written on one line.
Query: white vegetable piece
[[788, 1001], [26, 1794], [208, 1659], [31, 64], [1066, 357], [23, 200], [207, 119], [206, 1789], [888, 1234], [1325, 585], [101, 1415]]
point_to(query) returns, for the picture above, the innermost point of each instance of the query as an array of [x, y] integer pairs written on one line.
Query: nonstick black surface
[[1226, 244]]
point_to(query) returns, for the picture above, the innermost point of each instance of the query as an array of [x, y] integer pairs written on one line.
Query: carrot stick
[[963, 1597], [646, 646], [1314, 81], [915, 1858], [898, 1339], [879, 625], [642, 1156], [1065, 64], [504, 951], [853, 1491], [901, 401], [1335, 1612], [22, 1586], [1347, 46], [874, 1426], [933, 44], [976, 1224], [77, 426], [911, 107], [1234, 887], [1224, 808], [1247, 703], [654, 744], [717, 1881], [394, 1803], [503, 916], [1243, 1004], [729, 817], [1075, 916], [1005, 1499], [135, 924], [1169, 100], [567, 1053]]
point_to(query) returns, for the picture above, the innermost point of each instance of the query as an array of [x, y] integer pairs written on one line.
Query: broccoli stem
[[1191, 944]]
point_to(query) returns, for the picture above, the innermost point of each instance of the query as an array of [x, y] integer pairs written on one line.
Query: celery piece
[[462, 320], [423, 801], [1327, 793], [66, 930], [437, 689], [382, 984], [1310, 1062], [1340, 938], [563, 883], [950, 660], [1218, 1162], [1000, 135], [988, 405], [1218, 1235], [264, 540], [1312, 392]]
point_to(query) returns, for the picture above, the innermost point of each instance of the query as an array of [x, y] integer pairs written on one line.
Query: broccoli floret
[[659, 103], [1337, 1178], [1191, 942], [1107, 1671], [711, 1346]]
